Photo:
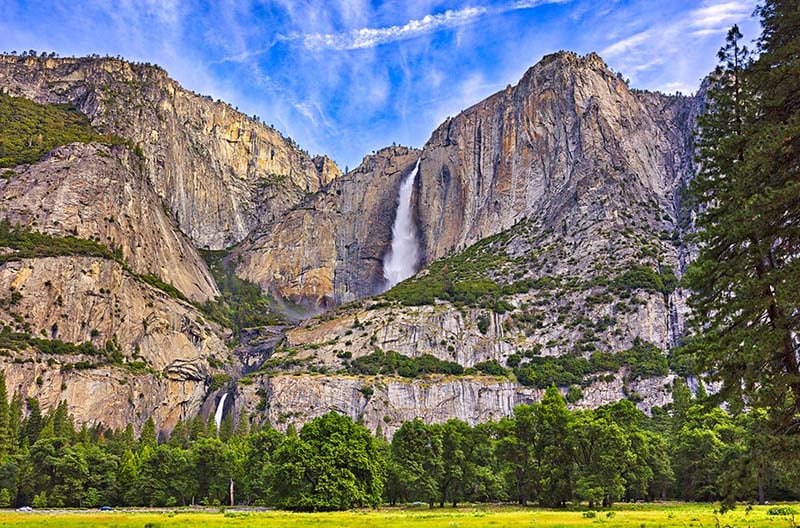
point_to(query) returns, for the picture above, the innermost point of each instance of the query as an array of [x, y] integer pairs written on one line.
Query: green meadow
[[632, 516]]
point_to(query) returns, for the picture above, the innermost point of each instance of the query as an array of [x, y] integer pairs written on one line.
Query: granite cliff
[[551, 227], [328, 251]]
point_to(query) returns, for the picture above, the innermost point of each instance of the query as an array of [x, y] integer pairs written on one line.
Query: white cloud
[[623, 46], [676, 86], [370, 37], [681, 41], [723, 14]]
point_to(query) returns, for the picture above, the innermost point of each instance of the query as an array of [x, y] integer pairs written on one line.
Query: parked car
[[24, 509], [106, 508]]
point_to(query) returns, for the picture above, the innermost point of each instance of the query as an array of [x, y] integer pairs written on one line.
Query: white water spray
[[219, 411], [401, 261]]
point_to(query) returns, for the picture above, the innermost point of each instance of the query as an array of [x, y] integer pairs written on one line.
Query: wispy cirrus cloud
[[653, 49], [361, 38], [627, 44], [716, 18], [344, 77]]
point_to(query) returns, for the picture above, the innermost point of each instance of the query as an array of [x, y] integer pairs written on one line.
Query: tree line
[[544, 454]]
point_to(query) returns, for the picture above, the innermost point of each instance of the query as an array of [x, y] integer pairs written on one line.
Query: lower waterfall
[[220, 410]]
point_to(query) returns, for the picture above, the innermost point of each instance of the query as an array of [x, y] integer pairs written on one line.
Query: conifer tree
[[5, 419], [747, 276], [148, 436]]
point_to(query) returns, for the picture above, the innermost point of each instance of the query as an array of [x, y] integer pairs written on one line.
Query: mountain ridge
[[569, 180]]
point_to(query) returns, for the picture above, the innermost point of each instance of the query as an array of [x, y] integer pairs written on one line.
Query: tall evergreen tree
[[553, 451], [747, 276], [148, 437], [5, 420]]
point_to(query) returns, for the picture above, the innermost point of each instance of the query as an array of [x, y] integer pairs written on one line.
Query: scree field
[[638, 516]]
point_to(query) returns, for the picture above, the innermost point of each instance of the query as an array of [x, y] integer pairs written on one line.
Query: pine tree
[[774, 144], [178, 436], [33, 425], [5, 420], [745, 279], [243, 424], [15, 420], [148, 436], [226, 428]]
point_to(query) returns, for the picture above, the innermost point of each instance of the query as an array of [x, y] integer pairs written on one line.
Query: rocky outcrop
[[330, 250], [219, 172], [96, 192], [454, 334], [152, 352], [383, 404], [570, 144]]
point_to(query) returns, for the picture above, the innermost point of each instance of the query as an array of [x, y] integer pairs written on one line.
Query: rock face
[[570, 144], [330, 249], [220, 173], [162, 345], [95, 191], [578, 179], [383, 404]]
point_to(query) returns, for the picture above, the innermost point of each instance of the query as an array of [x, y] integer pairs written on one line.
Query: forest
[[544, 454]]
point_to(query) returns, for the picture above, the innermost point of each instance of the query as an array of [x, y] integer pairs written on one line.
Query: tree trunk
[[231, 492], [776, 315]]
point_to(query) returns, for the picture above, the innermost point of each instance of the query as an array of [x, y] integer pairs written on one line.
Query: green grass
[[29, 130], [625, 516]]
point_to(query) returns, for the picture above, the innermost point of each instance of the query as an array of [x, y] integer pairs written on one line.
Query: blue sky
[[345, 77]]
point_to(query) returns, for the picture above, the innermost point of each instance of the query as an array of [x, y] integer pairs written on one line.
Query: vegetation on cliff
[[241, 304], [24, 243], [394, 364], [643, 360], [29, 130]]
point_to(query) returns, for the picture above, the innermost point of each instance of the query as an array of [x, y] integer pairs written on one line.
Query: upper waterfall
[[401, 261]]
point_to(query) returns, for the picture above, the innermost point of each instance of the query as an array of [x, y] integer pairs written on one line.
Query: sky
[[346, 77]]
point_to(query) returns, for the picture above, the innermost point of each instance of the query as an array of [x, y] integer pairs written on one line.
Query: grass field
[[631, 516]]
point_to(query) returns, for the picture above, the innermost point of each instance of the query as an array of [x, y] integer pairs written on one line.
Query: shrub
[[393, 363], [574, 394], [492, 368], [483, 323], [644, 360]]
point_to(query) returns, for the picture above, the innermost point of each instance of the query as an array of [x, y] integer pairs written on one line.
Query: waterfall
[[401, 261], [220, 410]]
